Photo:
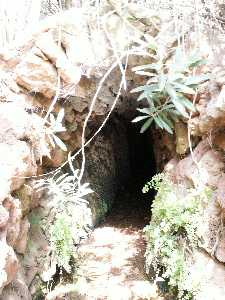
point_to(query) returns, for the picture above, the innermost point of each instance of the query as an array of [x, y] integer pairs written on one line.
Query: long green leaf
[[162, 81], [166, 119], [60, 116], [193, 80], [142, 96], [146, 125], [59, 142], [174, 98], [174, 112], [151, 101], [149, 88], [139, 89], [144, 110], [154, 66], [183, 88], [195, 60], [187, 103], [180, 107], [158, 122], [140, 118], [162, 124], [144, 73]]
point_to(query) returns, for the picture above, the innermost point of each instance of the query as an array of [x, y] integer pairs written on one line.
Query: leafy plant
[[70, 214], [168, 89], [173, 233], [55, 126], [65, 190], [61, 241]]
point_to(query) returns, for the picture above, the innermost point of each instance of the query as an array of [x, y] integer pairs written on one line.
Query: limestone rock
[[219, 140], [28, 196], [206, 165], [8, 264], [15, 215], [211, 230], [4, 216], [22, 239], [220, 194], [182, 143], [17, 164], [12, 128], [17, 289], [211, 276], [211, 107], [69, 73], [37, 75]]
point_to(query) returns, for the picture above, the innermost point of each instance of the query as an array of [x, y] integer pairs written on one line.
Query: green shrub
[[61, 240], [70, 217], [173, 233], [168, 89]]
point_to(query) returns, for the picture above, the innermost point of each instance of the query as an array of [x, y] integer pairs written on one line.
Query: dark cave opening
[[118, 164], [130, 202]]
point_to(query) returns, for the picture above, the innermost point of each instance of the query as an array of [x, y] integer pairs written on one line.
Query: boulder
[[36, 74], [210, 275], [8, 265]]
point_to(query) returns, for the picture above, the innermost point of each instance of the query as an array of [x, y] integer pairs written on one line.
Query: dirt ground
[[113, 257]]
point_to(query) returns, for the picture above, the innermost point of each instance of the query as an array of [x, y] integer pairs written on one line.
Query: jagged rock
[[21, 144], [22, 239], [206, 165], [37, 75], [58, 157], [12, 128], [17, 289], [8, 264], [219, 140], [69, 73], [211, 106], [220, 194], [81, 57], [28, 196], [210, 275], [182, 143], [15, 216], [4, 216], [37, 250]]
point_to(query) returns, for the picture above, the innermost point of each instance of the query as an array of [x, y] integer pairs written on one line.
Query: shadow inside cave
[[131, 206]]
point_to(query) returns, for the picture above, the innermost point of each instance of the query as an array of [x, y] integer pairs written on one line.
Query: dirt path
[[113, 258]]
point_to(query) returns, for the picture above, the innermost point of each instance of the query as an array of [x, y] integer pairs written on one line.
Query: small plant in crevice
[[54, 125], [61, 240], [69, 219], [47, 138], [174, 232], [169, 88]]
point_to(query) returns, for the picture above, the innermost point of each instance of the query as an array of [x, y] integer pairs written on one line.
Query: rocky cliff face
[[67, 57]]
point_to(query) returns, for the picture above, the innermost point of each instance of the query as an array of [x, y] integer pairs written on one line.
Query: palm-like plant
[[168, 88]]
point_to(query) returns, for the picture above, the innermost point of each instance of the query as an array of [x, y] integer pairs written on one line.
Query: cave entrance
[[131, 204], [119, 162], [115, 251]]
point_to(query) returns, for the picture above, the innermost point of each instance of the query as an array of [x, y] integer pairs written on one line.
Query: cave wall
[[107, 166], [29, 77]]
